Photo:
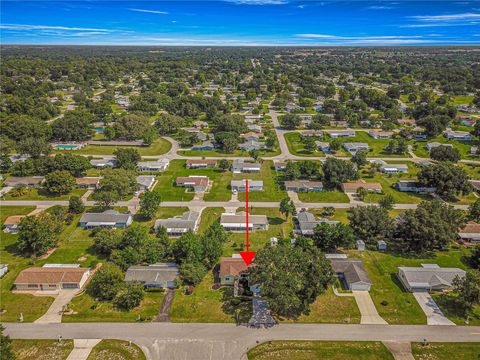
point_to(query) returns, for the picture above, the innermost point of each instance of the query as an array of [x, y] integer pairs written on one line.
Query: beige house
[[232, 269], [52, 278], [352, 187]]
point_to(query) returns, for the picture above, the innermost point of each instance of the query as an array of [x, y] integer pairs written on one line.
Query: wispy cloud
[[379, 7], [258, 2], [47, 27], [59, 30], [325, 39], [149, 11], [447, 18]]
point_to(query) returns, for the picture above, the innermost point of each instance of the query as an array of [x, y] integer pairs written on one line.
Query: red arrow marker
[[247, 256]]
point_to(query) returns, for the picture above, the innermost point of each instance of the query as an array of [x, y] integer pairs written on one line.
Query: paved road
[[226, 341], [202, 203]]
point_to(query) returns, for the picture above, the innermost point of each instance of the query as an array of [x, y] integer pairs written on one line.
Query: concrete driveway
[[54, 312], [431, 309], [367, 308]]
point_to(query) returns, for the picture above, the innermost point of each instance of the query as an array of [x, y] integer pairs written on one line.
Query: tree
[[59, 182], [335, 145], [75, 205], [38, 234], [35, 147], [474, 211], [75, 125], [432, 225], [105, 241], [292, 171], [474, 259], [328, 237], [309, 144], [149, 204], [224, 164], [336, 171], [192, 273], [445, 153], [468, 289], [287, 207], [371, 223], [360, 158], [386, 202], [127, 158], [212, 244], [106, 282], [187, 248], [6, 352], [168, 124], [131, 127], [77, 165], [5, 162], [434, 124], [129, 297], [361, 193], [291, 121], [448, 179], [115, 184], [476, 129], [291, 277]]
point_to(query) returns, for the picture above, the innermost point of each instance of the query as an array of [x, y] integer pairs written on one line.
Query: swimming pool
[[67, 147], [100, 130]]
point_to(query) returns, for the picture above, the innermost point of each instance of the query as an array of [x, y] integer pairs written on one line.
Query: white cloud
[[150, 11], [379, 7], [447, 18], [258, 2], [47, 27]]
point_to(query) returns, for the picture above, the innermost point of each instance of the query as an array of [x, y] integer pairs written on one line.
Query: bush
[[129, 297]]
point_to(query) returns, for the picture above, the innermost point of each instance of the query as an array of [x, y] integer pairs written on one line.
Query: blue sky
[[240, 22]]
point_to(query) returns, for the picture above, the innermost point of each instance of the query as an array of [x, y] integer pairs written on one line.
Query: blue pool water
[[100, 130], [66, 147]]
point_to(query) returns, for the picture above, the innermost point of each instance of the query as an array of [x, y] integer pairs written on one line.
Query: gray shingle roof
[[430, 276], [352, 269], [153, 274], [188, 221], [109, 216]]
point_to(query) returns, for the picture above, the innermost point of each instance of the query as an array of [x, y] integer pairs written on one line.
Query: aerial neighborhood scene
[[240, 179]]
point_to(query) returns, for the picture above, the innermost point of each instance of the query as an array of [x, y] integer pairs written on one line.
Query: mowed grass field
[[159, 147], [41, 349], [116, 349], [310, 350], [41, 194], [446, 351]]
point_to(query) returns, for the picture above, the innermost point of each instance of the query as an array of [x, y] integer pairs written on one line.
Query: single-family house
[[352, 187], [87, 182], [159, 165], [107, 219], [28, 181], [103, 163], [241, 185], [323, 146], [251, 136], [380, 134], [470, 232], [393, 168], [311, 133], [354, 147], [232, 269], [178, 225], [280, 165], [159, 275], [238, 221], [197, 183], [476, 185], [145, 182], [428, 277], [200, 164], [407, 122], [458, 135], [352, 272], [252, 145], [240, 166], [341, 133], [307, 223], [200, 124], [205, 146], [52, 278], [413, 186], [10, 225], [469, 122], [303, 186], [435, 144], [254, 127]]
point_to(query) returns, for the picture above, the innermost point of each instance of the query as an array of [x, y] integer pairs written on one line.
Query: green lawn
[[462, 99], [394, 304], [329, 308], [41, 349], [342, 214], [271, 184], [42, 194], [462, 146], [159, 147], [162, 213], [296, 146], [170, 192], [218, 153], [209, 216], [116, 349], [446, 351], [89, 310], [452, 310], [334, 196], [203, 305], [32, 307], [278, 227], [310, 350]]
